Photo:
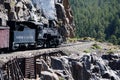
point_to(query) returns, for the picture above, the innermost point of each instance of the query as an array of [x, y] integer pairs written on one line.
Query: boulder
[[44, 67], [60, 11], [3, 15], [56, 63], [77, 70], [46, 75], [69, 15], [114, 64]]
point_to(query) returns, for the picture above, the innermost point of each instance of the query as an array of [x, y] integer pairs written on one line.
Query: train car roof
[[31, 24], [2, 27]]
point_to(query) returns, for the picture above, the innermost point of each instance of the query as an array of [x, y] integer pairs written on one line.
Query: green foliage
[[88, 39], [87, 51], [60, 78], [110, 52], [99, 19], [71, 40], [96, 46]]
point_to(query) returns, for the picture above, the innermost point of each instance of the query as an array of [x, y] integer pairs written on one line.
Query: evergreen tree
[[99, 19]]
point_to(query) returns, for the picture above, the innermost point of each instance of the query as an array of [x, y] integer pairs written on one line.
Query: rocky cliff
[[39, 10]]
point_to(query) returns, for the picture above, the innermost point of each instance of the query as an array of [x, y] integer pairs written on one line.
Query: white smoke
[[48, 8]]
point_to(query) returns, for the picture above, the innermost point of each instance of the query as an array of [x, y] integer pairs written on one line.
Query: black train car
[[27, 34], [47, 35], [21, 36]]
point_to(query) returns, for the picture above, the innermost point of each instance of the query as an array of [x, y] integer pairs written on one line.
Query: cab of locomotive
[[48, 35]]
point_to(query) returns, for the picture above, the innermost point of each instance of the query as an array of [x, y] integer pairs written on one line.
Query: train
[[28, 34]]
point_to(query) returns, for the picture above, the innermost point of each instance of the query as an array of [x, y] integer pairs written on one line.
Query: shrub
[[110, 52], [87, 51], [96, 46]]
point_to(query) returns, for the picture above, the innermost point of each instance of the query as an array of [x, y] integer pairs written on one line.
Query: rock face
[[39, 10], [87, 67], [58, 66], [3, 14], [48, 76]]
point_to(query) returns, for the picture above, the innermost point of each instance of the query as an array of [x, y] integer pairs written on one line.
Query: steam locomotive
[[28, 34]]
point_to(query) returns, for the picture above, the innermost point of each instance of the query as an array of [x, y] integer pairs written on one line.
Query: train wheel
[[41, 43], [35, 46], [44, 45], [1, 52], [13, 48], [56, 43], [48, 44]]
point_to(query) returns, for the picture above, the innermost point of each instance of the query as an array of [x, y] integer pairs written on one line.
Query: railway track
[[36, 52]]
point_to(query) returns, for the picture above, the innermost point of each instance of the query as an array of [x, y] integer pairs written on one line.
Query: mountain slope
[[99, 19]]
